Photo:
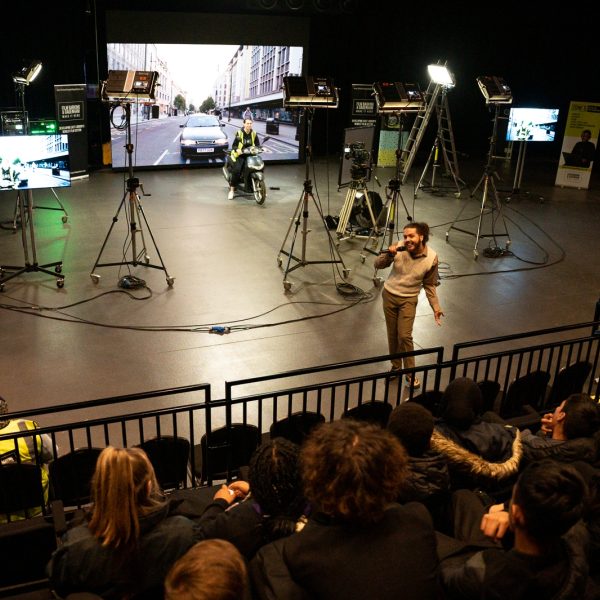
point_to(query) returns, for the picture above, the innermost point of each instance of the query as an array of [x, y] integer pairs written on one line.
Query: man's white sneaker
[[230, 195]]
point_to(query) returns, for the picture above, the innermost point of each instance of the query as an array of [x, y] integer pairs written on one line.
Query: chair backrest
[[296, 426], [225, 450], [71, 476], [569, 380], [20, 489], [431, 400], [169, 456], [529, 389], [376, 412], [490, 391]]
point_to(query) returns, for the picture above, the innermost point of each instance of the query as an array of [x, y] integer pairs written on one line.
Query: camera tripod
[[301, 212], [357, 189], [487, 182], [24, 205], [393, 195], [136, 215]]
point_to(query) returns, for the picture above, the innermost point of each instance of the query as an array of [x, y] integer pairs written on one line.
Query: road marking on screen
[[160, 158], [176, 137]]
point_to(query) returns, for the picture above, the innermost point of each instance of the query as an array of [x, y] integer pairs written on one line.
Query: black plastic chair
[[222, 452], [169, 456], [20, 490], [490, 392], [376, 412], [431, 400], [523, 400], [296, 426], [26, 547], [569, 380], [71, 476]]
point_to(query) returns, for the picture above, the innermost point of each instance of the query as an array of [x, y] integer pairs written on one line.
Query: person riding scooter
[[244, 138]]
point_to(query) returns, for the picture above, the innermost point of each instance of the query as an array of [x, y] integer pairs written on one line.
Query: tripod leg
[[140, 211], [345, 213], [483, 201], [295, 220], [95, 277], [420, 183], [65, 217]]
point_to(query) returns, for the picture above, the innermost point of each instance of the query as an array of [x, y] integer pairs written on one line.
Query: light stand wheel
[[170, 281], [279, 261], [362, 258], [95, 278], [346, 273], [378, 281], [58, 269], [447, 236], [287, 286], [65, 219], [60, 283], [475, 254]]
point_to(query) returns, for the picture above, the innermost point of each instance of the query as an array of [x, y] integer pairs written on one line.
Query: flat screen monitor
[[532, 124], [204, 93], [34, 161]]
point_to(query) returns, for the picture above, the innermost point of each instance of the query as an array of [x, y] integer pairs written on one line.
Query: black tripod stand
[[136, 215], [487, 181], [389, 215], [302, 212]]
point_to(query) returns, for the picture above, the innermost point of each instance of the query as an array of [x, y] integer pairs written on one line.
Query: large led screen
[[34, 161], [204, 93]]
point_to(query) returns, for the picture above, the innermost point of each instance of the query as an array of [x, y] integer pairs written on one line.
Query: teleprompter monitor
[[532, 124], [34, 161]]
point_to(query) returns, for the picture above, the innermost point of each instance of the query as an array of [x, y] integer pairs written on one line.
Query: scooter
[[253, 178]]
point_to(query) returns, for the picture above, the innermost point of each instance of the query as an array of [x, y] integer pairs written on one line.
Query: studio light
[[494, 89], [439, 74], [28, 72]]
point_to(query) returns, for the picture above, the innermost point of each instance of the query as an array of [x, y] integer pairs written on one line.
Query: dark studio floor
[[223, 255]]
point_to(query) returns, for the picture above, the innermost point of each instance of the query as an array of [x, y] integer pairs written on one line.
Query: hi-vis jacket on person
[[30, 448], [238, 144]]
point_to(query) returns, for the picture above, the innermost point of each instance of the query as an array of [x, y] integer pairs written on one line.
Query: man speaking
[[414, 266]]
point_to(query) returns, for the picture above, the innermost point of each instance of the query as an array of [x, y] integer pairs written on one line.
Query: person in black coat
[[273, 504], [132, 537], [359, 543], [428, 479], [548, 558]]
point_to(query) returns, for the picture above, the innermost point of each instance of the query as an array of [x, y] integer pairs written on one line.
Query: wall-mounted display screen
[[203, 94], [532, 124], [34, 161]]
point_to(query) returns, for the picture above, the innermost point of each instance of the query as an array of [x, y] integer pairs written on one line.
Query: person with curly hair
[[358, 543], [272, 504]]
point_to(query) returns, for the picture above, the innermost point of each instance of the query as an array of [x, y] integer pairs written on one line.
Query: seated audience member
[[273, 504], [210, 570], [131, 539], [479, 454], [428, 480], [567, 434], [358, 542], [27, 449], [548, 559]]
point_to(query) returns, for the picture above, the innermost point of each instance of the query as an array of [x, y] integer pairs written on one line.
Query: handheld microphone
[[398, 249]]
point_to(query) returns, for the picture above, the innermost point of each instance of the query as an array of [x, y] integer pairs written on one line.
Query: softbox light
[[494, 90], [28, 72], [439, 74]]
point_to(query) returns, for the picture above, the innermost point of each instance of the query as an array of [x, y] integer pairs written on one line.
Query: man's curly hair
[[351, 470]]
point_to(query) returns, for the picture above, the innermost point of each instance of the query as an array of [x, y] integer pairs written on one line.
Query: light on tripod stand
[[494, 90], [28, 72], [439, 74]]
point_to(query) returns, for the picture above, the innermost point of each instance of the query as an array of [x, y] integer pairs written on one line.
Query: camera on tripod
[[361, 159]]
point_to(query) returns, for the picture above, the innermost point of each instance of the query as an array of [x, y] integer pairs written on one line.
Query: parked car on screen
[[203, 135]]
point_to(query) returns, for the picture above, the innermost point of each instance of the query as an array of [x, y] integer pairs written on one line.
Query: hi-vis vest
[[239, 137], [30, 449]]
